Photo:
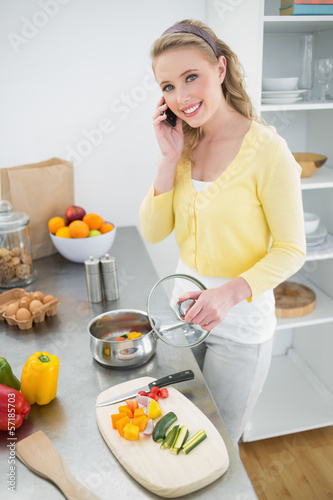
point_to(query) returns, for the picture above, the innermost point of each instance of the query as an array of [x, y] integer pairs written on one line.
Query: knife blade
[[174, 378]]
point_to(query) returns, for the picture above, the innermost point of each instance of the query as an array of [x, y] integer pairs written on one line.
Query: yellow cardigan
[[248, 223]]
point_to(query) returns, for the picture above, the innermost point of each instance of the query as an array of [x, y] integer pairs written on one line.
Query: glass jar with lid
[[16, 264]]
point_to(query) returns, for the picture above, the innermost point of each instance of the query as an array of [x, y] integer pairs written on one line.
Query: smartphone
[[171, 118]]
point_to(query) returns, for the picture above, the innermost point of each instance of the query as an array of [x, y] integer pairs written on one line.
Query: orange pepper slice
[[133, 335]]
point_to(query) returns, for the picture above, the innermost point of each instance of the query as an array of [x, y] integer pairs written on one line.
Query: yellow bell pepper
[[39, 378]]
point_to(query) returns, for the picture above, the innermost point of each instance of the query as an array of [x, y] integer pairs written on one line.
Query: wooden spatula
[[38, 453]]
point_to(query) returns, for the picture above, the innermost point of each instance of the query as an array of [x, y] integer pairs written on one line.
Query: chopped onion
[[149, 428], [143, 400]]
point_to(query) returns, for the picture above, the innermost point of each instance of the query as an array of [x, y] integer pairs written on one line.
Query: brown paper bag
[[42, 190]]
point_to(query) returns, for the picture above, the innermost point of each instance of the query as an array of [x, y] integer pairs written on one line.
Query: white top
[[200, 186]]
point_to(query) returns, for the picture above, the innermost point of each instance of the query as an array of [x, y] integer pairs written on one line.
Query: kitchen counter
[[69, 420]]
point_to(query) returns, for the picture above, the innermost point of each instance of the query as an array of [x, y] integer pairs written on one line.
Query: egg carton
[[14, 295]]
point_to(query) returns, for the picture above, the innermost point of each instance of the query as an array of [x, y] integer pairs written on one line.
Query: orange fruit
[[106, 227], [63, 232], [56, 223], [94, 221], [78, 229]]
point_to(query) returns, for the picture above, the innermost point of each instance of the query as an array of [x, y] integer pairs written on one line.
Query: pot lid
[[166, 314], [11, 221]]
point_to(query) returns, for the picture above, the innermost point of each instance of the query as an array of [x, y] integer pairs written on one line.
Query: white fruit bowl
[[80, 249], [279, 84]]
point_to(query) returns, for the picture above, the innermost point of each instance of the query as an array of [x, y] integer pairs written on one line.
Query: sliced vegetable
[[164, 393], [170, 438], [120, 339], [125, 409], [133, 335], [194, 441], [121, 424], [132, 404], [141, 422], [131, 432], [149, 428], [163, 425], [182, 435], [138, 412], [143, 393], [143, 400], [115, 417], [154, 410]]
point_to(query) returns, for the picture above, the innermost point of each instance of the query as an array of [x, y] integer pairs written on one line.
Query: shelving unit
[[298, 393]]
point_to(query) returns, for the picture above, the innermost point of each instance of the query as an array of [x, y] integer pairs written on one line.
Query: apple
[[74, 213], [94, 232]]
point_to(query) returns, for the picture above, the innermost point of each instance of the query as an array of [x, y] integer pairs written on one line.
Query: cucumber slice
[[170, 438], [194, 441], [180, 439]]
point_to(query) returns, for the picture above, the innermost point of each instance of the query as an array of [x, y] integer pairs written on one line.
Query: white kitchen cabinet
[[298, 394]]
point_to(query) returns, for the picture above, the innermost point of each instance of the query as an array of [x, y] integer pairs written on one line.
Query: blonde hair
[[233, 86]]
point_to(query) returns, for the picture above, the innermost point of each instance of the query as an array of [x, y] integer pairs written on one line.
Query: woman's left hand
[[212, 306]]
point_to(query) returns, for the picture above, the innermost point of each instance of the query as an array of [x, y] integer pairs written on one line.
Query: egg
[[12, 309], [47, 299], [35, 306], [23, 314], [24, 302], [37, 295]]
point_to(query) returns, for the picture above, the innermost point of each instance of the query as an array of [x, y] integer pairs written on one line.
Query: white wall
[[239, 24], [76, 83]]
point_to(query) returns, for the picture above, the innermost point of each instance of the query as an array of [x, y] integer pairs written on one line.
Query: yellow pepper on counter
[[39, 378]]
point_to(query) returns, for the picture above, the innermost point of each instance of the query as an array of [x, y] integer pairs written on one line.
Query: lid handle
[[183, 308]]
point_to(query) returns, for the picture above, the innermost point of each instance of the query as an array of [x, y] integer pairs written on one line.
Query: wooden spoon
[[38, 453]]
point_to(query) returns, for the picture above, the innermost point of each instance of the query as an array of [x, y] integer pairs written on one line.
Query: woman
[[230, 188]]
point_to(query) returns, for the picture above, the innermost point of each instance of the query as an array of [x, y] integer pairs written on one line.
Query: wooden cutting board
[[160, 471], [293, 300]]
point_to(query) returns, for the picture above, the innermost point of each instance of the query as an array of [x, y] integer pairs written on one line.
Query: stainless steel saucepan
[[125, 353], [165, 320]]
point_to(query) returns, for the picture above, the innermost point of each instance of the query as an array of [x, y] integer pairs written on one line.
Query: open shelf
[[323, 312], [297, 24], [297, 106], [293, 400], [323, 178], [321, 252]]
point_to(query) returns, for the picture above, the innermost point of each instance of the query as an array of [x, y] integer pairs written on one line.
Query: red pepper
[[14, 407]]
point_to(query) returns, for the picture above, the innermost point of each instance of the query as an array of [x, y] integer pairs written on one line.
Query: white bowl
[[311, 222], [80, 249], [280, 83]]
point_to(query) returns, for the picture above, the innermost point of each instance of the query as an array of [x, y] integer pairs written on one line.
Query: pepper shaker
[[94, 281], [109, 274]]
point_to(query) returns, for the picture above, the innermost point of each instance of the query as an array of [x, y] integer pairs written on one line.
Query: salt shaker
[[94, 281], [109, 274]]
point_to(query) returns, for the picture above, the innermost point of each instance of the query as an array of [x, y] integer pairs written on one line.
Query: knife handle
[[172, 379]]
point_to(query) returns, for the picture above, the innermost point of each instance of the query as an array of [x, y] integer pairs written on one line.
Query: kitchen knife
[[161, 382]]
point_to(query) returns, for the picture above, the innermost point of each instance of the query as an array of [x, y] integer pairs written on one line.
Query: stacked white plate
[[317, 237], [282, 96]]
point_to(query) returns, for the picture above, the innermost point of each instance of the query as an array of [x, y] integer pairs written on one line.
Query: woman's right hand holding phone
[[171, 143], [170, 139]]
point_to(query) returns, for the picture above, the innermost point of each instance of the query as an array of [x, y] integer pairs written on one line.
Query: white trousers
[[235, 374]]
